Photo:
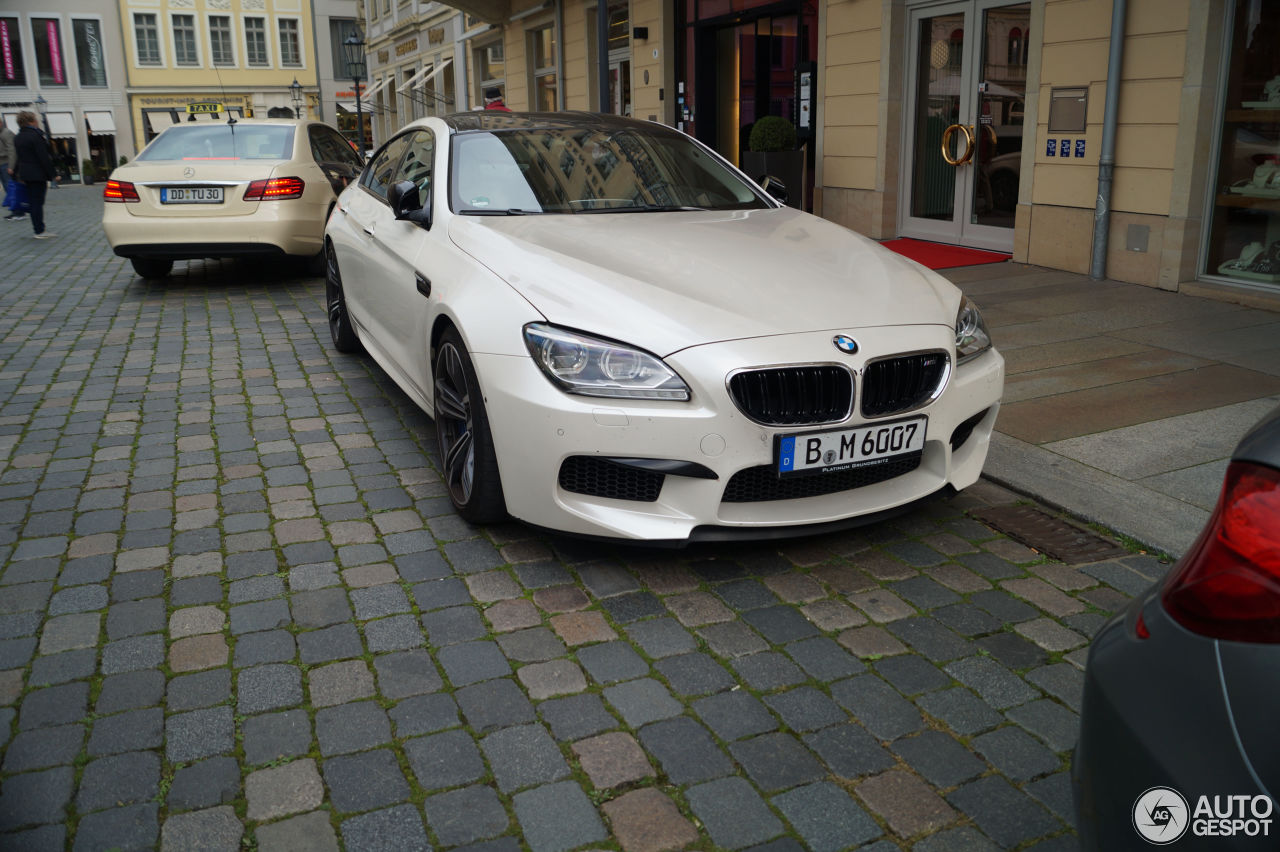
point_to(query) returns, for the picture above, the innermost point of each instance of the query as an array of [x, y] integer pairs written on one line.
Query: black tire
[[335, 301], [316, 264], [151, 267], [467, 458]]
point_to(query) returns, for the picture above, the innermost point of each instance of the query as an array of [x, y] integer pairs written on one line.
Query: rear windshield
[[222, 142]]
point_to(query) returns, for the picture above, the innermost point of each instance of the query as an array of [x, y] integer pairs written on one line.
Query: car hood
[[668, 281]]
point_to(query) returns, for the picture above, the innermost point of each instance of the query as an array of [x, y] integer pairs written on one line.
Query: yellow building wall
[[240, 76], [1076, 44], [649, 100], [850, 117], [577, 82]]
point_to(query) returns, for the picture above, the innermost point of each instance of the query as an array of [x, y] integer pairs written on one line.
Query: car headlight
[[972, 337], [590, 366]]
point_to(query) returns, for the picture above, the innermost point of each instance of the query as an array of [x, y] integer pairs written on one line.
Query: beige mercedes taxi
[[237, 188]]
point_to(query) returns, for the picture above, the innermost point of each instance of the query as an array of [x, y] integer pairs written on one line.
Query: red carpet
[[942, 256]]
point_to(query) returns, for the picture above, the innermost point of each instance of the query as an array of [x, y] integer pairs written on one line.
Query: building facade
[[971, 122], [414, 67], [242, 55], [66, 63]]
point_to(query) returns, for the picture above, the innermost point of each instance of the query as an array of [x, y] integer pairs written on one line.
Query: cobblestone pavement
[[236, 610]]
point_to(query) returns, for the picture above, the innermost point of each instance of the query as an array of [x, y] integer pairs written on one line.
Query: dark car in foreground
[[1178, 737]]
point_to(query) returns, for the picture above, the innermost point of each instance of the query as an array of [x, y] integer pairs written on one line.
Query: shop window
[[542, 68], [46, 35], [255, 40], [184, 40], [12, 70], [290, 45], [1244, 233], [220, 44], [90, 58]]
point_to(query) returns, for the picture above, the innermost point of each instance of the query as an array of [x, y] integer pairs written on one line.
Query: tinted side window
[[417, 162], [321, 147], [378, 176], [346, 154]]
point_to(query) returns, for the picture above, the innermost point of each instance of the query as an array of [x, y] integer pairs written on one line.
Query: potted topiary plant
[[772, 153], [88, 172]]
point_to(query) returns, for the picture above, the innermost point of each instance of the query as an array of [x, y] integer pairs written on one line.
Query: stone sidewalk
[[237, 611], [1122, 403]]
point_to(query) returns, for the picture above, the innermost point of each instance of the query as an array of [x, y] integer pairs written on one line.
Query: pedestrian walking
[[493, 99], [35, 169], [13, 200]]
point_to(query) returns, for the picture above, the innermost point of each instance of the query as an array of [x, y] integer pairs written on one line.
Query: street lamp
[[295, 91], [353, 48]]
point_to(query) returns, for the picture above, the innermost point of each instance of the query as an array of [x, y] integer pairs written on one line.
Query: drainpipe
[[602, 51], [560, 54], [1107, 160]]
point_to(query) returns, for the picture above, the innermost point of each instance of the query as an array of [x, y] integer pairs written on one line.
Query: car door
[[363, 209], [397, 243], [334, 157]]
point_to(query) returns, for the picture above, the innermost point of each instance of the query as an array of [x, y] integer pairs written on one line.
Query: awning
[[368, 96], [11, 119], [100, 123], [158, 120], [61, 124], [408, 84], [202, 116], [427, 79]]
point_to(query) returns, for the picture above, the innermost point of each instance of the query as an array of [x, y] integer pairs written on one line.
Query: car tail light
[[275, 189], [1228, 585], [120, 191]]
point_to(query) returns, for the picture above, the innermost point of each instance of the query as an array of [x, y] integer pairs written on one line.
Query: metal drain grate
[[1052, 536]]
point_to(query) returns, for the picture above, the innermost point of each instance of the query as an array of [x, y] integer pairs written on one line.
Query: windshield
[[222, 142], [575, 170]]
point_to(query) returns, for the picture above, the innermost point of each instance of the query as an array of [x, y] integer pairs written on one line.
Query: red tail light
[[276, 189], [1228, 585], [119, 191]]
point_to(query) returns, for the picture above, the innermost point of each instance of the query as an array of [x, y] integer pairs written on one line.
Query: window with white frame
[[290, 46], [146, 35], [220, 44], [542, 67], [184, 40], [255, 40]]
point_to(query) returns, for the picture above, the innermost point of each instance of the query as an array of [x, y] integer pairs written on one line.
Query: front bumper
[[536, 427]]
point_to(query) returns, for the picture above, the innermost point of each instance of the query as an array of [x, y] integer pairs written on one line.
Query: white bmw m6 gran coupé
[[619, 335]]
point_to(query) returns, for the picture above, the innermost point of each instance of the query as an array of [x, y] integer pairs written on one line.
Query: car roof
[[493, 119]]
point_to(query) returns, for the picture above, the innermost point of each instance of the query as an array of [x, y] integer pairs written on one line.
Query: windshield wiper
[[510, 211]]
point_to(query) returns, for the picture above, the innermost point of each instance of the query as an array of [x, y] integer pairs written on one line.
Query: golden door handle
[[946, 145]]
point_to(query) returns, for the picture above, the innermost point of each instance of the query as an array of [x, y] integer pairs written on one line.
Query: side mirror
[[774, 187], [407, 204]]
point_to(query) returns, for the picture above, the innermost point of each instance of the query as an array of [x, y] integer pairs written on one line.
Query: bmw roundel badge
[[845, 344]]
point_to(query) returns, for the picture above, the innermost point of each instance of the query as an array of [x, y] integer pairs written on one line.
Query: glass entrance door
[[964, 136]]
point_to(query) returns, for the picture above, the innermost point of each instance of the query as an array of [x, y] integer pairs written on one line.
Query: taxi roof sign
[[204, 107]]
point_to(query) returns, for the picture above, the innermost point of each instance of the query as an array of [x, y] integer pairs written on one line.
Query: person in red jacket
[[35, 168], [493, 99]]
